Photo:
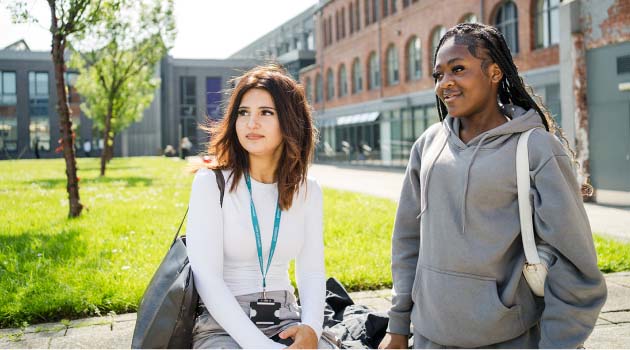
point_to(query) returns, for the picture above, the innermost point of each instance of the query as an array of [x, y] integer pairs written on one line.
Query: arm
[[309, 267], [575, 289], [205, 251], [405, 245]]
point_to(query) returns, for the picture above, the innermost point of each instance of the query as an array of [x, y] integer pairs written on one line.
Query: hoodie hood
[[519, 121]]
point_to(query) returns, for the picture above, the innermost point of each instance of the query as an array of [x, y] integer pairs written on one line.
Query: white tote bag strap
[[524, 205]]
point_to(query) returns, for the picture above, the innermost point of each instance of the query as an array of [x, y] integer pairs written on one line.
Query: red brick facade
[[419, 19]]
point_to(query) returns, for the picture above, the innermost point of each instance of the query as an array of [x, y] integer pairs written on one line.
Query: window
[[8, 111], [469, 18], [39, 126], [375, 71], [506, 21], [405, 3], [351, 17], [343, 81], [319, 88], [308, 89], [8, 89], [392, 66], [325, 32], [392, 7], [213, 97], [374, 11], [187, 97], [438, 33], [330, 85], [547, 26], [366, 7], [414, 59], [343, 22], [357, 77], [385, 8], [337, 27], [357, 14]]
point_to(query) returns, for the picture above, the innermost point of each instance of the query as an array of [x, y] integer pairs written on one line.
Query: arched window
[[357, 76], [319, 88], [469, 18], [414, 59], [330, 85], [436, 35], [375, 71], [506, 21], [392, 66], [308, 89], [343, 81], [547, 26]]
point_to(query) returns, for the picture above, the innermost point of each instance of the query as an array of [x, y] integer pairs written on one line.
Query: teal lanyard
[[274, 238]]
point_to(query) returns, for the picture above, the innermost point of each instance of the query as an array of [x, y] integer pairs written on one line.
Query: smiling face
[[258, 126], [466, 84]]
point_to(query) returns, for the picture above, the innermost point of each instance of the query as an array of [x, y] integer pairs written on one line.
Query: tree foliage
[[117, 64]]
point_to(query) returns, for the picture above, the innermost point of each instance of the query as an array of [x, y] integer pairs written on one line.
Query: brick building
[[372, 89], [190, 90]]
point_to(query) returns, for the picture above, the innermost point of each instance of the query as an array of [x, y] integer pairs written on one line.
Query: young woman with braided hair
[[457, 254]]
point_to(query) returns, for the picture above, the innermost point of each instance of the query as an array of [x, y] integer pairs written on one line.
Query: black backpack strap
[[221, 184]]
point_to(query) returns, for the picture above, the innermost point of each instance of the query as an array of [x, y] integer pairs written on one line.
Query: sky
[[205, 28]]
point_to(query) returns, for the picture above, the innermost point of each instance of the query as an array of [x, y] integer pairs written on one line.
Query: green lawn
[[53, 268]]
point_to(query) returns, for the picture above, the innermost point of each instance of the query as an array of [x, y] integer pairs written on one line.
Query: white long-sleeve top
[[223, 256]]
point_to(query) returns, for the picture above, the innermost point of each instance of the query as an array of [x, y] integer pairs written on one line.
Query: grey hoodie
[[457, 254]]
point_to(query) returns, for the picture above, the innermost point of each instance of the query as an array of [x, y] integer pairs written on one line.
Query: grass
[[54, 268], [612, 255]]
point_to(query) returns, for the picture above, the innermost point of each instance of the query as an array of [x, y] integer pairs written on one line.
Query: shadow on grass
[[131, 181], [34, 262], [109, 167]]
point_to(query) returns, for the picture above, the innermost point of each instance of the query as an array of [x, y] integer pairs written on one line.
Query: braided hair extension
[[512, 88]]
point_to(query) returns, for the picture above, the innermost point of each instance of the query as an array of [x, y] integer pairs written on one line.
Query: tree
[[117, 62], [68, 19]]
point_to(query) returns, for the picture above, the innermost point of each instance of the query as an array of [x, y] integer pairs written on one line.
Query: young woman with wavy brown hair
[[271, 214]]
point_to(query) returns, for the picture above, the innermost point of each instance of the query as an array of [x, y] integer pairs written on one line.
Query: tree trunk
[[65, 123], [106, 148]]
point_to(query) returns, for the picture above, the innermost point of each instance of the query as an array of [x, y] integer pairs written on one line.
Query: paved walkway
[[110, 332], [609, 220], [115, 331]]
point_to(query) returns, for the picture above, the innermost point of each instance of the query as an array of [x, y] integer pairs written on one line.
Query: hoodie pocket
[[462, 310]]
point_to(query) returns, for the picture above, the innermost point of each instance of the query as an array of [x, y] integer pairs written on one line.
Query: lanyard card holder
[[264, 312]]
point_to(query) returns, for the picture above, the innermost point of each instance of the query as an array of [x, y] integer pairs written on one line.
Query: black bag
[[166, 315]]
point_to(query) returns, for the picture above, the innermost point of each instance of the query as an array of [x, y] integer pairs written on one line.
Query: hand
[[304, 337], [394, 341]]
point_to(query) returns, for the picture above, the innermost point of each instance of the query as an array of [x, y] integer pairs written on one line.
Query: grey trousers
[[208, 334]]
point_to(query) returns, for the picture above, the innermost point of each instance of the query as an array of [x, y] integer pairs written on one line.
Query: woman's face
[[257, 124], [461, 82]]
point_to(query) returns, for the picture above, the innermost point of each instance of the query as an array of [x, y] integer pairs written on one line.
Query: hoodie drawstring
[[431, 162], [466, 181]]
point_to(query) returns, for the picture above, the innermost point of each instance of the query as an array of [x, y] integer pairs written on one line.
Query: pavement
[[612, 330]]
